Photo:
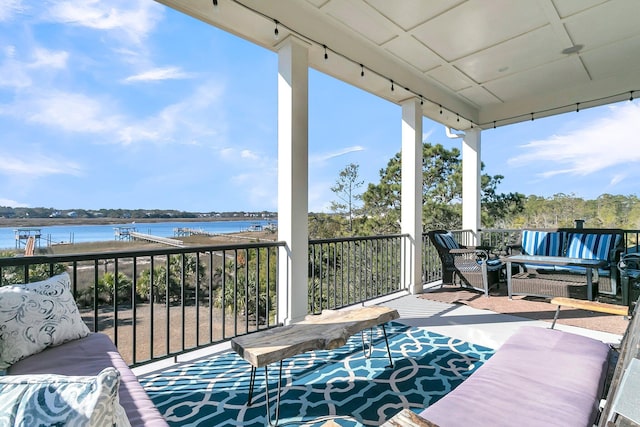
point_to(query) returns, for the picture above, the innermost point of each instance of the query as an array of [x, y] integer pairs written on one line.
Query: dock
[[156, 239]]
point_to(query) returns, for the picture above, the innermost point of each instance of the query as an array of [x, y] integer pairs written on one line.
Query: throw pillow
[[35, 316], [48, 399]]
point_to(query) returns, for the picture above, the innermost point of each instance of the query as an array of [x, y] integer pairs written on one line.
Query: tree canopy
[[441, 195]]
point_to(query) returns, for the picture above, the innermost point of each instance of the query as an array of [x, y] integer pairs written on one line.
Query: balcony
[[171, 313]]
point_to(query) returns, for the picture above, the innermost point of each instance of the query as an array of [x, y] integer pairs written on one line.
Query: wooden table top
[[325, 331]]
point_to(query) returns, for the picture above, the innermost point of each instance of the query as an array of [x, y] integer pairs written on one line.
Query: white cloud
[[323, 157], [606, 142], [44, 58], [12, 203], [249, 155], [157, 74], [71, 112], [8, 8], [37, 165], [133, 19]]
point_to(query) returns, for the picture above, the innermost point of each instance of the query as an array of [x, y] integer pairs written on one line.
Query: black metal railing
[[347, 271], [164, 302]]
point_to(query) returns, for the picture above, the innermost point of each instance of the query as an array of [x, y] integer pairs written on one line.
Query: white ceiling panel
[[413, 52], [359, 17], [593, 30], [407, 14], [606, 62], [477, 25], [548, 78], [518, 54], [479, 96], [450, 77], [567, 8]]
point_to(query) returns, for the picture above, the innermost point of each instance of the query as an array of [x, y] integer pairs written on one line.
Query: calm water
[[98, 233]]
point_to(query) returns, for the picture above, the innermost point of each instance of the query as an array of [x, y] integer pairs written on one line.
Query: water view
[[57, 234]]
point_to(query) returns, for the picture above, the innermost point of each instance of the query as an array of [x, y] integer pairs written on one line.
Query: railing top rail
[[45, 259], [354, 239]]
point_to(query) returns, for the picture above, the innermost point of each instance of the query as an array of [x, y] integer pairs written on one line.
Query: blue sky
[[129, 104]]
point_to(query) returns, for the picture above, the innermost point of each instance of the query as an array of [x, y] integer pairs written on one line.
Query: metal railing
[[351, 270], [164, 302]]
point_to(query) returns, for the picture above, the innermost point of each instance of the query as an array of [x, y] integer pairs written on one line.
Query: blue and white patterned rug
[[339, 384]]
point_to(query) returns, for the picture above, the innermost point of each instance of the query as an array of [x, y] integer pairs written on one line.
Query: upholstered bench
[[56, 372]]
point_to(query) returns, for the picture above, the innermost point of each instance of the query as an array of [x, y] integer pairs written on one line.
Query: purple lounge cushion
[[539, 377], [89, 356]]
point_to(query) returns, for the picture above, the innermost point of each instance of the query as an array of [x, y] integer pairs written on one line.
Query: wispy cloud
[[71, 112], [37, 165], [159, 74], [606, 142], [324, 157], [131, 19], [8, 8]]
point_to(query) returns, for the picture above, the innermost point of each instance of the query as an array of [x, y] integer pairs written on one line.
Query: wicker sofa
[[567, 281]]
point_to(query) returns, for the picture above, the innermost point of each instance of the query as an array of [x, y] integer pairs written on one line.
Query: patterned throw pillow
[[58, 400], [35, 316]]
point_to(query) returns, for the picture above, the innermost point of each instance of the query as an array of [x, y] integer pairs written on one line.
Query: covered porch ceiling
[[473, 62]]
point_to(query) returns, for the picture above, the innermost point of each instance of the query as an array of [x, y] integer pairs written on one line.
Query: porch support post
[[471, 182], [293, 167], [411, 195]]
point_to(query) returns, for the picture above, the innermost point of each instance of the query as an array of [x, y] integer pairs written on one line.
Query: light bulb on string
[[392, 88], [361, 70], [325, 52], [276, 33]]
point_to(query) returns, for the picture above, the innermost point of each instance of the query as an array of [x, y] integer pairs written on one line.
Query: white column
[[293, 167], [411, 195], [471, 181]]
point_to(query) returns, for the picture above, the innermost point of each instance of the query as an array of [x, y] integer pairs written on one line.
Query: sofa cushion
[[447, 240], [37, 315], [88, 356], [539, 377], [591, 246], [36, 400], [545, 243]]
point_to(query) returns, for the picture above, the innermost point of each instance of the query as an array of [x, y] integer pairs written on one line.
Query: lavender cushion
[[89, 356], [539, 377]]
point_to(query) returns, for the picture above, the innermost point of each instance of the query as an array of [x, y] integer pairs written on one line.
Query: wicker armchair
[[471, 265]]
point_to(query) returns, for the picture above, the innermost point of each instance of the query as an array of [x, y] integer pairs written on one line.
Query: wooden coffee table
[[325, 331]]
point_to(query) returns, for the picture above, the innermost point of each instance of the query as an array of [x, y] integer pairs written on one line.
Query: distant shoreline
[[45, 222]]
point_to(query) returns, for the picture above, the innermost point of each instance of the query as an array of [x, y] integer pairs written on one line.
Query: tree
[[346, 187], [441, 194]]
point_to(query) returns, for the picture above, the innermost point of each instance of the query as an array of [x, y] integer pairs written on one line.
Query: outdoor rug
[[340, 384]]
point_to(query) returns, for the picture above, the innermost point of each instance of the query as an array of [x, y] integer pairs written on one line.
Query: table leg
[[509, 279], [252, 381], [277, 409], [367, 356]]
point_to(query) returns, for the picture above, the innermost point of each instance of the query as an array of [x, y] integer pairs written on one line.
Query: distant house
[[72, 214]]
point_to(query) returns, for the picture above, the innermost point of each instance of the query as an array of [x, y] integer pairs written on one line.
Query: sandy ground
[[529, 307]]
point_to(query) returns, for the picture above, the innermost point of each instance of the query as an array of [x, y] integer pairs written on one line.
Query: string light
[[630, 96], [392, 88], [361, 70], [577, 107], [457, 117], [215, 3], [326, 56], [276, 33], [440, 109], [421, 100], [531, 118]]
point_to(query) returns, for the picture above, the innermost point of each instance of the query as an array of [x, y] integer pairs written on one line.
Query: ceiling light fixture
[[572, 49]]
